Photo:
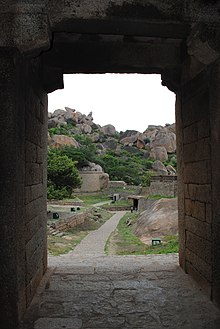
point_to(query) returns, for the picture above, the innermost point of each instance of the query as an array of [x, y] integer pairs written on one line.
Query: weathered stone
[[62, 140], [53, 123], [159, 168], [128, 133], [159, 153], [91, 166], [85, 128], [57, 323], [110, 143], [166, 139], [158, 220], [104, 179], [108, 130], [171, 170]]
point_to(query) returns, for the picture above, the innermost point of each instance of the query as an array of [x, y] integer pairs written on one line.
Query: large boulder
[[53, 123], [94, 137], [128, 133], [140, 144], [58, 113], [134, 140], [70, 115], [108, 130], [84, 128], [129, 140], [159, 168], [58, 141], [171, 170], [165, 138], [110, 143], [159, 153], [91, 166], [104, 180], [158, 220], [171, 127]]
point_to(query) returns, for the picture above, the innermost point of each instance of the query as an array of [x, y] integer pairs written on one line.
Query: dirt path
[[94, 243]]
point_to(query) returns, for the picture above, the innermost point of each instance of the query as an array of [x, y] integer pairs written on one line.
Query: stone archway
[[42, 41]]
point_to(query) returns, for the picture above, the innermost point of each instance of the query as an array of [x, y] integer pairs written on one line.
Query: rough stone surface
[[166, 139], [58, 141], [159, 153], [159, 219], [93, 181], [108, 130], [87, 289], [159, 168]]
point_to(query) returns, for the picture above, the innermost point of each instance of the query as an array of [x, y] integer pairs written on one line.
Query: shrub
[[56, 193], [62, 174]]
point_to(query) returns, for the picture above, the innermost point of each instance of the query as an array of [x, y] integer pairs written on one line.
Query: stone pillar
[[23, 125], [12, 169], [214, 211], [200, 102], [23, 147], [196, 175], [180, 182]]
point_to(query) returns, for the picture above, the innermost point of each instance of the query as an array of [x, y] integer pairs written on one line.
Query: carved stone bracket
[[171, 78], [52, 78]]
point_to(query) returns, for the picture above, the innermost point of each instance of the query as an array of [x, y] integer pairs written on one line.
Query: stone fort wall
[[163, 185]]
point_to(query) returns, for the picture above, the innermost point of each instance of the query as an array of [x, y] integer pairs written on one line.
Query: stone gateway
[[40, 40]]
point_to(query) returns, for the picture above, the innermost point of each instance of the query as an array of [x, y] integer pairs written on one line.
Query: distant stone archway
[[41, 41]]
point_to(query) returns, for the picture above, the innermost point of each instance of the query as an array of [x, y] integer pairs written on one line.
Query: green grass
[[124, 242], [60, 245], [158, 197], [119, 204], [71, 238], [89, 200]]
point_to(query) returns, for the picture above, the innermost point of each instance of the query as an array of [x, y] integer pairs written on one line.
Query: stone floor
[[88, 291]]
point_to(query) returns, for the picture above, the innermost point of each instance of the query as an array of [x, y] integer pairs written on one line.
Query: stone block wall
[[213, 211], [67, 223], [195, 176], [35, 188], [164, 186], [22, 185]]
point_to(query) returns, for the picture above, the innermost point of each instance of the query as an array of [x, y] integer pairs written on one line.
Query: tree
[[62, 174], [76, 155]]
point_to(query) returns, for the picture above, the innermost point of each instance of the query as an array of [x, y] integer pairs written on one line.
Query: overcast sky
[[128, 101]]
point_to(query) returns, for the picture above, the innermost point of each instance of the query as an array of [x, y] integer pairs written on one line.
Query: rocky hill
[[155, 147]]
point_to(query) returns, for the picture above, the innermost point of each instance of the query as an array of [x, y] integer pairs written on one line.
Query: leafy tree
[[62, 130], [56, 193], [62, 173], [126, 166], [87, 148], [76, 155]]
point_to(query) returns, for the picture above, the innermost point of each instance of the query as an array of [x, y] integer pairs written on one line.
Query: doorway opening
[[119, 132]]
